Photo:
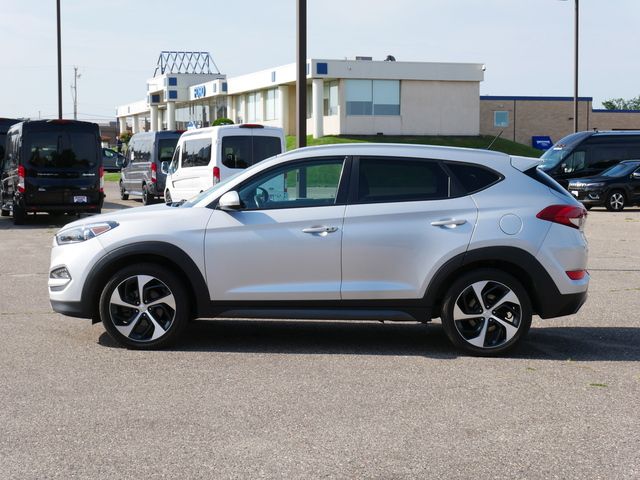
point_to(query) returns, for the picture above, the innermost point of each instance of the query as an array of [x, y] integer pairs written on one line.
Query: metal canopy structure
[[185, 62]]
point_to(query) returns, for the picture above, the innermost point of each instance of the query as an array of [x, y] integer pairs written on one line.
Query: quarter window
[[472, 177], [401, 180], [308, 184], [196, 153]]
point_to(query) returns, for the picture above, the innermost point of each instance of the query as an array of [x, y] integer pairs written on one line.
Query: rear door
[[61, 166], [402, 223]]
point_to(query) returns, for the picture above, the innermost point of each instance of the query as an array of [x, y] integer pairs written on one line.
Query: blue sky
[[527, 45]]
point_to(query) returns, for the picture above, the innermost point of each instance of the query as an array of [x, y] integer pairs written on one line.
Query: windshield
[[202, 195], [62, 150], [553, 157], [620, 170]]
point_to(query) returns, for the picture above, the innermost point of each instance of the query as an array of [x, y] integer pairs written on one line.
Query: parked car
[[112, 161], [364, 231], [205, 156], [51, 166], [585, 154], [615, 188], [141, 172]]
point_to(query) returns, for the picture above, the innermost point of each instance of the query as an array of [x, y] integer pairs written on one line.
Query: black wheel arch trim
[[546, 299], [176, 259]]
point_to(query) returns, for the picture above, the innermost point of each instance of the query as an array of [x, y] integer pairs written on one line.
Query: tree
[[222, 121], [622, 104]]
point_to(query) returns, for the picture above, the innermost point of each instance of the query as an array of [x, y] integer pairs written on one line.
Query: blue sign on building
[[541, 142], [199, 91]]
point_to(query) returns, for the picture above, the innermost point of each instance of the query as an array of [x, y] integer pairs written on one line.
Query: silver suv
[[375, 231]]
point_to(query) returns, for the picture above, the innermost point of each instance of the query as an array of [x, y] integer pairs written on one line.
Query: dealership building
[[361, 96], [344, 97]]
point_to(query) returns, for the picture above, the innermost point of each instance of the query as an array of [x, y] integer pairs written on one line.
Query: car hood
[[589, 180], [127, 214]]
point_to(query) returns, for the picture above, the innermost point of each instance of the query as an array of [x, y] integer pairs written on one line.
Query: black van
[[585, 154], [142, 172], [51, 166]]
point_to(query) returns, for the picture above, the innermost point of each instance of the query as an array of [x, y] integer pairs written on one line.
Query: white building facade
[[344, 97]]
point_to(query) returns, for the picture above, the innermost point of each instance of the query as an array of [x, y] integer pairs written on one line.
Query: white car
[[366, 231], [205, 156]]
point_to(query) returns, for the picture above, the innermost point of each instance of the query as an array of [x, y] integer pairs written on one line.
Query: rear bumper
[[33, 205], [559, 305]]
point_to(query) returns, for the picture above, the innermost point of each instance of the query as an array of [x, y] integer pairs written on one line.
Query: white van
[[205, 156]]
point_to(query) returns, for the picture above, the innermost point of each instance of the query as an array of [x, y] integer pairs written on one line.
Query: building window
[[500, 119], [254, 107], [270, 104], [373, 97], [240, 109], [330, 99]]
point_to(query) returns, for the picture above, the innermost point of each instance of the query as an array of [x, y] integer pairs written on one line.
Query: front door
[[285, 243]]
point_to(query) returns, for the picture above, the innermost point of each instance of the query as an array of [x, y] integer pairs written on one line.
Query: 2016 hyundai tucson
[[384, 232]]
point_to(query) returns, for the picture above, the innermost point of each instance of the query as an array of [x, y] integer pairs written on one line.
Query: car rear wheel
[[123, 193], [147, 198], [167, 196], [615, 201], [486, 312], [5, 212], [144, 306], [19, 214]]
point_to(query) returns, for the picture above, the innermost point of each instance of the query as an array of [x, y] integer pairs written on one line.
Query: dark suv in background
[[51, 166], [614, 188], [141, 172]]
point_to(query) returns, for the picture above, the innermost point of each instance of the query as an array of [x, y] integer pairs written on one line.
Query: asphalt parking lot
[[276, 399]]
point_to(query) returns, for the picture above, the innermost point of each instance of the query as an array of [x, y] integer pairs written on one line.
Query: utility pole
[[575, 66], [59, 62], [301, 76], [74, 89]]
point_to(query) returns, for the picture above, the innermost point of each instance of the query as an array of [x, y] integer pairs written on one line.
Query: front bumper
[[71, 309], [588, 197]]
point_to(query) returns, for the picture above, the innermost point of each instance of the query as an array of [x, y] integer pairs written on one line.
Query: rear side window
[[401, 180], [473, 178], [196, 153], [58, 149], [242, 151]]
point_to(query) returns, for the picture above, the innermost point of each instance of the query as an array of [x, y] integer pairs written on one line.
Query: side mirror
[[164, 167], [230, 201], [120, 162], [636, 175]]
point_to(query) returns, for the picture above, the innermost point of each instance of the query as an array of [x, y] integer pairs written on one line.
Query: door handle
[[449, 222], [320, 229]]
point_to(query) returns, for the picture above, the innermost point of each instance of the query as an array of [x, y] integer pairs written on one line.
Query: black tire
[[588, 207], [123, 193], [147, 197], [4, 212], [117, 319], [492, 333], [19, 214], [167, 196], [616, 201]]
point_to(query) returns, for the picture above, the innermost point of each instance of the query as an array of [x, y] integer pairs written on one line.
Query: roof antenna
[[494, 140]]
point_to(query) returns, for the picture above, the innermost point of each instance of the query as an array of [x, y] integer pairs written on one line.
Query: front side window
[[401, 180], [196, 153], [166, 146], [173, 166], [574, 162], [308, 184]]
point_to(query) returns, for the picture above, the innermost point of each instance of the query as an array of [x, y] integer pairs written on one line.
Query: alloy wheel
[[142, 308], [616, 200], [487, 314]]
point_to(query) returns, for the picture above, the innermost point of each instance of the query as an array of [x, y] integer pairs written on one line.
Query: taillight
[[216, 175], [154, 173], [21, 176], [576, 274], [569, 215], [101, 173]]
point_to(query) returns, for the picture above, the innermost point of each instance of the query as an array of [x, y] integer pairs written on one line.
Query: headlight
[[84, 232]]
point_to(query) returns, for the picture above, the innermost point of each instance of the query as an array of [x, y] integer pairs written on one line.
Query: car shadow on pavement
[[367, 338]]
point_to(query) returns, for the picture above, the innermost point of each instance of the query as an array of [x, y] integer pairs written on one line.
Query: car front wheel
[[486, 312], [144, 306], [615, 201], [123, 193]]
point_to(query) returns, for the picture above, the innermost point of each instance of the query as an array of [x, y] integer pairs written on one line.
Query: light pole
[[575, 64], [59, 62], [301, 75]]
